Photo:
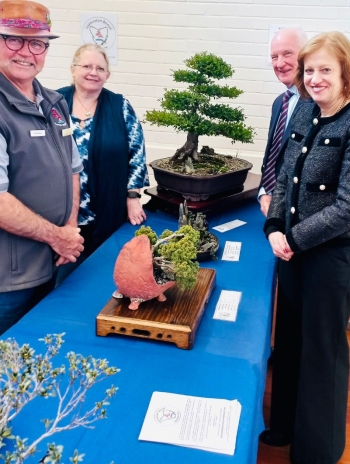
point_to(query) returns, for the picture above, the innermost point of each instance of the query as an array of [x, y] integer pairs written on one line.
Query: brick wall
[[154, 37]]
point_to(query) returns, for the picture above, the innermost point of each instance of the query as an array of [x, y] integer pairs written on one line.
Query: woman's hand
[[279, 246], [136, 214]]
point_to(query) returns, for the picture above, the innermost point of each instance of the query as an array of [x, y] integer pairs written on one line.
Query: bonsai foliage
[[193, 111], [25, 376], [173, 254]]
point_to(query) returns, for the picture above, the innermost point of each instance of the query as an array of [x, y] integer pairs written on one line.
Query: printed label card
[[229, 225], [232, 251], [227, 305]]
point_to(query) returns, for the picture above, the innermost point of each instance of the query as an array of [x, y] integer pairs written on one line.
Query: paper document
[[227, 306], [229, 225], [210, 424], [232, 251]]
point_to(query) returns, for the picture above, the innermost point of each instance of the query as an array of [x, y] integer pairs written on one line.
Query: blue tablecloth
[[228, 359]]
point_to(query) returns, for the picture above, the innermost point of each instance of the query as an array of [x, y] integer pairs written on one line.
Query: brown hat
[[26, 19]]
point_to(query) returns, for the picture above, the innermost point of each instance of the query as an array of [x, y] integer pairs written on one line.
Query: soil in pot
[[207, 165]]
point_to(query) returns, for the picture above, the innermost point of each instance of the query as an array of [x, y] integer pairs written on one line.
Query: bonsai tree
[[193, 110], [148, 265], [25, 376], [174, 254]]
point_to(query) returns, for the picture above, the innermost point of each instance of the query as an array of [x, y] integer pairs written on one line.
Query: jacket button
[[322, 187], [293, 136], [304, 150], [292, 210], [295, 180], [326, 141], [315, 122]]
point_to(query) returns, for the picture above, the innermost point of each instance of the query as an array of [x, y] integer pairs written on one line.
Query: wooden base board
[[175, 320]]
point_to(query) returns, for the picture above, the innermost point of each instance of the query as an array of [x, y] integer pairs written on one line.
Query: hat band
[[25, 24]]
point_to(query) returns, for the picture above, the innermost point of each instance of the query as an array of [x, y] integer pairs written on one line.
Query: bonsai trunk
[[188, 150]]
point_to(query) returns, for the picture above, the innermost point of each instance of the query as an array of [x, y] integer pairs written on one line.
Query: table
[[228, 359]]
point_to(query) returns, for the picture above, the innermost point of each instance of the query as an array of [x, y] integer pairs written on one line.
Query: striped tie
[[269, 176]]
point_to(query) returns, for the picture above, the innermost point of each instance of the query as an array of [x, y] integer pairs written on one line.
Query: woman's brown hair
[[338, 45]]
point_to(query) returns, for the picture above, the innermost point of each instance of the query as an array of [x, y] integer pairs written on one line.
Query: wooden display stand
[[169, 201], [175, 320]]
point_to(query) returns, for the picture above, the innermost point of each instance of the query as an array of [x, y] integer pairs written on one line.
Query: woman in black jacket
[[308, 226]]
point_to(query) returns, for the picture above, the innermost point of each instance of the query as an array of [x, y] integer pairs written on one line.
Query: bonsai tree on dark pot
[[193, 111]]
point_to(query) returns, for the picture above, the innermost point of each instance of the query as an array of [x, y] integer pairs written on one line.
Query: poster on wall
[[272, 31], [101, 29]]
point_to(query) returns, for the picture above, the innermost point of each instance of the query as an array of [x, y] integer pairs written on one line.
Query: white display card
[[209, 424], [229, 225], [232, 251], [227, 305]]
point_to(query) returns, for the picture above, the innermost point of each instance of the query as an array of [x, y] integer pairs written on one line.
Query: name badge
[[37, 133], [68, 131]]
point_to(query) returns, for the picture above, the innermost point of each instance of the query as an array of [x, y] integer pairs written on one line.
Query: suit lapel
[[286, 133], [287, 130]]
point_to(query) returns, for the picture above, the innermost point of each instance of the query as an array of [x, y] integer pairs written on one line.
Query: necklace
[[88, 110], [344, 102]]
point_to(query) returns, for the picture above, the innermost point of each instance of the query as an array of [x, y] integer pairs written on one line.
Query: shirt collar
[[294, 90]]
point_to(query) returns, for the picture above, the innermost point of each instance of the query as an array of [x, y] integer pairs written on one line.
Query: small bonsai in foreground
[[25, 376], [193, 111], [173, 255]]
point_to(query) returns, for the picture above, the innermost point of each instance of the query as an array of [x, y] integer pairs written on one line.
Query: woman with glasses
[[111, 145], [39, 165]]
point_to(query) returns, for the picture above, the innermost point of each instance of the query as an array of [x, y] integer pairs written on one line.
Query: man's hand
[[67, 243], [136, 214], [265, 201], [17, 219], [279, 246]]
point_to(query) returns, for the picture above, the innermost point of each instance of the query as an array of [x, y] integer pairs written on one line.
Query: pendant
[[88, 114], [82, 124]]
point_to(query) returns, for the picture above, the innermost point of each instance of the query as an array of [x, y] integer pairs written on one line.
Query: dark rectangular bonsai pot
[[198, 188]]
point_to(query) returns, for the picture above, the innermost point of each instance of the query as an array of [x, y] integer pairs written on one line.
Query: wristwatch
[[133, 194]]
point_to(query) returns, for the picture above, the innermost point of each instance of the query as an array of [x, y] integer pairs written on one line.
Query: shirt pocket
[[330, 142], [296, 137], [321, 187]]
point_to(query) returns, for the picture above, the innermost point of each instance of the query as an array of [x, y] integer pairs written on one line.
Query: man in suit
[[285, 47]]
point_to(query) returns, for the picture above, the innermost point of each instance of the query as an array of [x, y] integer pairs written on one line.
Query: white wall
[[155, 36]]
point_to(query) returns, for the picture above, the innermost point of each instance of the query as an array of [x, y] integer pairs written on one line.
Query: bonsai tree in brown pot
[[193, 111], [148, 265]]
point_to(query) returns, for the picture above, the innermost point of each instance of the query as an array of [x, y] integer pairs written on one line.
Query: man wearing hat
[[39, 165]]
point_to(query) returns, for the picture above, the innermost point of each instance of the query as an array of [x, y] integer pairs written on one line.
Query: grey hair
[[91, 48], [299, 33]]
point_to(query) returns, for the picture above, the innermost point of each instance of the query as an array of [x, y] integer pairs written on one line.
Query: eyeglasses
[[36, 46], [88, 68]]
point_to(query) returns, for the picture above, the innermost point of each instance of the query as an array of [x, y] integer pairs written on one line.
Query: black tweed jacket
[[311, 202]]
